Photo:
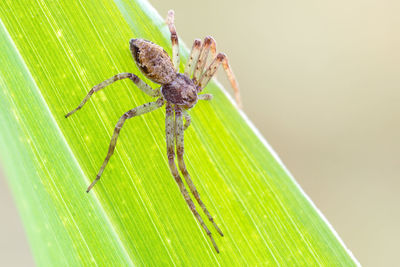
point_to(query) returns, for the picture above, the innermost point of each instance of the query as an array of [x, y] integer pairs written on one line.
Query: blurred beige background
[[321, 80]]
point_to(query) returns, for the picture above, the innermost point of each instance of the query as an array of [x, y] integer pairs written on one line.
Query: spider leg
[[139, 83], [179, 151], [170, 134], [174, 39], [208, 44], [127, 115], [188, 119], [211, 70], [205, 97], [193, 57], [186, 115]]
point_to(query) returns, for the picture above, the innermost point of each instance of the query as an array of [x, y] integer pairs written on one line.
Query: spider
[[179, 92]]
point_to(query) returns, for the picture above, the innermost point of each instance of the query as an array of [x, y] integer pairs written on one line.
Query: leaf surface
[[52, 54]]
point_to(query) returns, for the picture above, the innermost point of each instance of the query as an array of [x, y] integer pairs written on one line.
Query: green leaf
[[52, 54]]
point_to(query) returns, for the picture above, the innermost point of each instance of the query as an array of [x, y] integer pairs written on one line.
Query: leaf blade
[[238, 178], [19, 101]]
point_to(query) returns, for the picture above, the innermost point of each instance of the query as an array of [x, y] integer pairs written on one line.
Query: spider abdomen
[[152, 60], [180, 91]]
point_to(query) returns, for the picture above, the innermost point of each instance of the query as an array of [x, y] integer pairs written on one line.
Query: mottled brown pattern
[[153, 61], [180, 93]]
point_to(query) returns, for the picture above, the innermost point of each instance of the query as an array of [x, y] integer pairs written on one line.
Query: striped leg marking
[[174, 39], [208, 44]]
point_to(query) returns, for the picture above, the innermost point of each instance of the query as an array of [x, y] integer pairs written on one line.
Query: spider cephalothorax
[[179, 92]]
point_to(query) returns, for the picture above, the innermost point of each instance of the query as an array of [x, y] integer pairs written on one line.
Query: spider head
[[152, 61]]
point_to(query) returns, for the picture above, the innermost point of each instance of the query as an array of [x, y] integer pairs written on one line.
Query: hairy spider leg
[[139, 83], [202, 59], [227, 68], [233, 81], [180, 149], [174, 39], [205, 97], [213, 47], [193, 57], [211, 70], [140, 110], [186, 114], [188, 119], [170, 136]]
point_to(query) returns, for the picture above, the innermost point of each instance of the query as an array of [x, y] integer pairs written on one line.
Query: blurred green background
[[321, 81]]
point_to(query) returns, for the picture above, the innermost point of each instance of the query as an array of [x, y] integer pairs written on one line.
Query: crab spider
[[179, 92]]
